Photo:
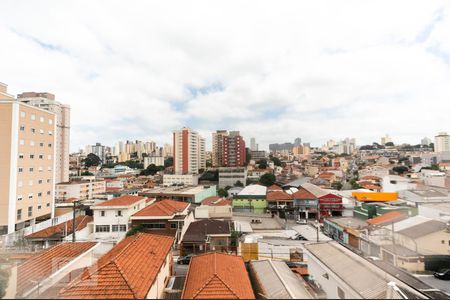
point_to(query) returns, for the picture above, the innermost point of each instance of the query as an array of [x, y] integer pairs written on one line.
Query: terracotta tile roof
[[126, 271], [274, 187], [58, 231], [165, 207], [217, 276], [303, 194], [387, 218], [42, 265], [278, 195], [113, 189], [70, 200], [124, 200], [216, 201], [303, 271], [370, 177]]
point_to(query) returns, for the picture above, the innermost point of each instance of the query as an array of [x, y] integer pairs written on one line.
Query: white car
[[301, 221]]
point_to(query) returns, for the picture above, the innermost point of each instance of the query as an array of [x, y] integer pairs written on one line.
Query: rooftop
[[216, 201], [253, 190], [278, 195], [393, 216], [278, 280], [198, 230], [185, 190], [303, 194], [42, 265], [162, 208], [217, 276], [124, 200], [61, 230], [314, 189], [423, 229], [121, 273]]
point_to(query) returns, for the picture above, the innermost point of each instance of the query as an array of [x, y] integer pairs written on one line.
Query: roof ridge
[[121, 272]]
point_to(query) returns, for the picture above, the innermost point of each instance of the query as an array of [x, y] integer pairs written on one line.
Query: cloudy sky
[[273, 70]]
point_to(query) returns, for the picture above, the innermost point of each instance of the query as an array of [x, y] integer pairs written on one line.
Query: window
[[30, 196], [31, 156], [41, 156], [123, 228], [50, 132], [33, 130], [22, 142], [49, 168], [115, 228], [30, 211], [41, 144], [31, 169], [22, 128], [20, 155], [49, 145], [48, 180], [119, 213], [40, 181], [173, 225], [40, 195], [19, 214], [41, 131], [154, 226], [20, 169], [48, 205], [102, 213], [48, 192], [40, 206], [22, 114], [19, 198], [33, 117], [101, 228]]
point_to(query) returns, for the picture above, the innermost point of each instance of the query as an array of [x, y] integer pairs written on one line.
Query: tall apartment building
[[253, 146], [386, 139], [28, 164], [217, 147], [167, 150], [442, 142], [47, 101], [188, 151], [234, 154]]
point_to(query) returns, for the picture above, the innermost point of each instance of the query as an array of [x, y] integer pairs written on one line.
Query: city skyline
[[307, 72]]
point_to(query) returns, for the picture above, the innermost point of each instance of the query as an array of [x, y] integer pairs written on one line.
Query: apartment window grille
[[30, 211], [19, 214], [102, 228]]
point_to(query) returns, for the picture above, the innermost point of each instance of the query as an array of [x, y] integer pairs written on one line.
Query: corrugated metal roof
[[278, 281], [423, 229], [358, 276]]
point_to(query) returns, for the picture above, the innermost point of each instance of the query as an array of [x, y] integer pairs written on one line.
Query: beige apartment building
[[47, 101], [80, 189], [188, 151], [27, 161]]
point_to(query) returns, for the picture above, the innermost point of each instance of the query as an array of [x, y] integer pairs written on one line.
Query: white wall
[[157, 289]]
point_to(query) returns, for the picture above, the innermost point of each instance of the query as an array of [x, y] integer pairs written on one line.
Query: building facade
[[47, 101], [234, 154], [81, 190], [217, 147], [442, 142], [27, 175], [188, 151]]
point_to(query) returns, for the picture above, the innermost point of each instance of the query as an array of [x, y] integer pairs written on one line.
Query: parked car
[[443, 274], [184, 260]]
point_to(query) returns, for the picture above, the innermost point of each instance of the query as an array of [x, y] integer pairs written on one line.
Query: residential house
[[214, 208], [138, 267], [217, 276], [330, 204], [61, 232], [306, 203], [112, 217], [207, 235], [345, 230], [162, 217], [80, 189], [394, 183]]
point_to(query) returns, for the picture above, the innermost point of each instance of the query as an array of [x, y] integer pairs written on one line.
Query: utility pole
[[318, 220], [73, 221]]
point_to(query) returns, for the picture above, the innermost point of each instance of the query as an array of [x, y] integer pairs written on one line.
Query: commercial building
[[231, 176], [442, 142], [27, 160], [257, 155], [188, 151], [47, 101], [79, 189], [234, 154]]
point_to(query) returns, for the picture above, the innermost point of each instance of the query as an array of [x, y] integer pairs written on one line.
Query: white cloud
[[275, 71]]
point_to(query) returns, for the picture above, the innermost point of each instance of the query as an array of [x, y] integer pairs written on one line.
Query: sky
[[274, 70]]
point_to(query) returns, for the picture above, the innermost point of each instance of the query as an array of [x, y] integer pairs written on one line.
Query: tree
[[152, 169], [267, 179], [354, 184], [91, 160], [389, 144], [168, 162], [337, 185], [222, 193], [262, 164], [276, 161], [87, 173], [400, 169], [238, 183]]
